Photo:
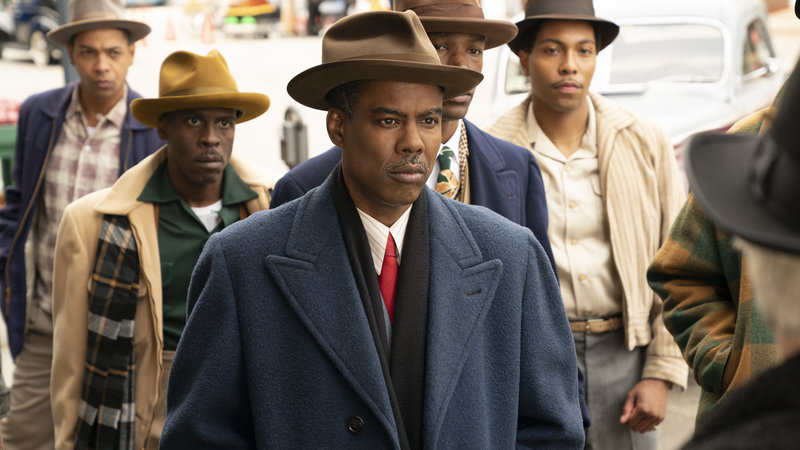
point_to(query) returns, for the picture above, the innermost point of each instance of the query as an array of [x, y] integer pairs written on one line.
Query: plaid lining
[[107, 410]]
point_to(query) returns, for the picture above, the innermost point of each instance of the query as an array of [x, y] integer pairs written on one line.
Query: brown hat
[[539, 10], [378, 45], [462, 16], [191, 81], [85, 15]]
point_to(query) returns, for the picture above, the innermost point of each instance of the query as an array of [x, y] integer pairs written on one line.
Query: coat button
[[355, 424]]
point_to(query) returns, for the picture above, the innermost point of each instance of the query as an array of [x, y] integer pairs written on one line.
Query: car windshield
[[648, 53], [684, 53]]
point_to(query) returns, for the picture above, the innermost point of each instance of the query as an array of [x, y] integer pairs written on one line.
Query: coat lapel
[[317, 281], [463, 285]]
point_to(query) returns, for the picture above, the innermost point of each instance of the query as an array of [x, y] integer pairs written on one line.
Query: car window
[[667, 52], [643, 53], [757, 52]]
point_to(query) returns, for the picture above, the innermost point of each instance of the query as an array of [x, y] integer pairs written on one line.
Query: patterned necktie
[[446, 182], [387, 280]]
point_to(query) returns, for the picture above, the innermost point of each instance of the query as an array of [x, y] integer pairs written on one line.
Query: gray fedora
[[583, 10], [749, 185], [85, 15], [378, 45]]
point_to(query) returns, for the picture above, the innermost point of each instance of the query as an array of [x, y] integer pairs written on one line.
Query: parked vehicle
[[30, 22], [689, 66], [251, 18]]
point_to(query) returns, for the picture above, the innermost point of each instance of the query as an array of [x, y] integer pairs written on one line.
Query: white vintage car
[[688, 65]]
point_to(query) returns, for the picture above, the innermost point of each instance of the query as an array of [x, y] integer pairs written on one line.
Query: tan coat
[[643, 193], [74, 258]]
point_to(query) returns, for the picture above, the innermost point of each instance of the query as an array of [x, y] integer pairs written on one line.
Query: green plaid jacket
[[708, 304]]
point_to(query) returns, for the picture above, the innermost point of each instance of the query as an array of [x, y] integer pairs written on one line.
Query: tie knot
[[445, 157]]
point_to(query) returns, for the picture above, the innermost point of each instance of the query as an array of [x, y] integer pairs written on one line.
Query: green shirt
[[181, 238]]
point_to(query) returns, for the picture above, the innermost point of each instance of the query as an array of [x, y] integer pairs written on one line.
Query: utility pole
[[70, 74]]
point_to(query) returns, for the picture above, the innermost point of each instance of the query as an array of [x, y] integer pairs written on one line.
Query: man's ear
[[335, 121], [523, 62], [162, 128]]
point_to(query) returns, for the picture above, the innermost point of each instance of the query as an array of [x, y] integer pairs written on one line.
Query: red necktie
[[387, 280]]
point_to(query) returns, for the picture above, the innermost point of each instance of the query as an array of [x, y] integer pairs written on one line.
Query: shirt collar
[[116, 115], [378, 234], [535, 134], [159, 188], [454, 140]]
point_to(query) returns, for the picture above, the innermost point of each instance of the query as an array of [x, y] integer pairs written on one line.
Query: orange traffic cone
[[169, 34], [207, 32]]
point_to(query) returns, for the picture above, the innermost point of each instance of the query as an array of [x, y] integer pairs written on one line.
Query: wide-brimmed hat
[[191, 81], [583, 10], [462, 16], [85, 15], [378, 45], [749, 185]]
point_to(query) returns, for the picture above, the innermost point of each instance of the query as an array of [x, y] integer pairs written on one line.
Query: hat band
[[96, 15], [199, 91], [389, 57], [449, 11]]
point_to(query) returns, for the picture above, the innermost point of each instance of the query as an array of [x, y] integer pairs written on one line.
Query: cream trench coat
[[74, 258], [642, 193]]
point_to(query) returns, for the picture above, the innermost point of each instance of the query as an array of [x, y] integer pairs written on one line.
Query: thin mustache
[[414, 160]]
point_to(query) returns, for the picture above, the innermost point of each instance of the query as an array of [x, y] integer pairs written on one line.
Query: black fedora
[[583, 10], [749, 185]]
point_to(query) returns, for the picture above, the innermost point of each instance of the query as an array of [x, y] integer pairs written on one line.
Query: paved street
[[266, 65]]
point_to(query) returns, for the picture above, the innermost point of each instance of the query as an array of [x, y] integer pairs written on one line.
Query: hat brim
[[149, 110], [718, 168], [310, 86], [497, 32], [61, 35], [608, 30]]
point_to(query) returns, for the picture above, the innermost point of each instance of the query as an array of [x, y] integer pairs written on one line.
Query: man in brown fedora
[[70, 141], [612, 190], [476, 167], [374, 312], [134, 245]]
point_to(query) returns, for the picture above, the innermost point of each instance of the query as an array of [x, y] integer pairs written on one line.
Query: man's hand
[[646, 405]]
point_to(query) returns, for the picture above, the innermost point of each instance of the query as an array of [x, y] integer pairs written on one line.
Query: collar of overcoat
[[316, 280]]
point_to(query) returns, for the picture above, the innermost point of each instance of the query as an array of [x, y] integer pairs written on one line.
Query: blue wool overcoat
[[503, 177], [277, 351]]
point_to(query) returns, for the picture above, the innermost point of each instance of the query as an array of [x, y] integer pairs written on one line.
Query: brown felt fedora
[[191, 81], [85, 15], [461, 16], [747, 184], [539, 10], [378, 45]]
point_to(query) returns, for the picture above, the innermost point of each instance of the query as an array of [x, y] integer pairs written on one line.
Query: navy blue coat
[[40, 119], [502, 177], [277, 351]]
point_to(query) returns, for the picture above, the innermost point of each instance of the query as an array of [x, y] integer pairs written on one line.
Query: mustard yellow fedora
[[459, 16], [378, 45], [85, 15], [191, 81]]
